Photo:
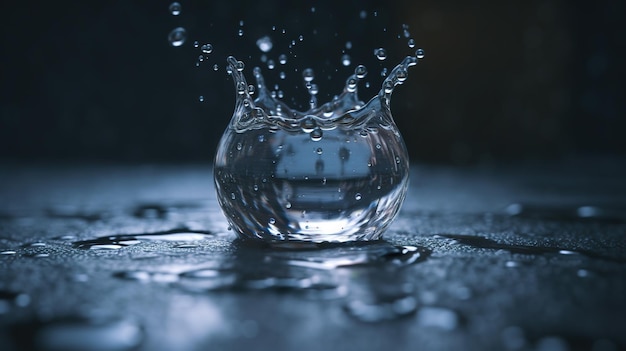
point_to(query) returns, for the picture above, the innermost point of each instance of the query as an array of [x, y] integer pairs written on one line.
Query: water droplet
[[261, 138], [411, 43], [308, 124], [207, 48], [265, 43], [357, 196], [345, 60], [271, 64], [419, 53], [288, 205], [319, 151], [272, 221], [316, 134], [348, 45], [175, 8], [308, 74], [381, 54], [177, 36], [239, 146], [360, 71], [201, 98], [196, 44], [282, 59], [240, 32], [282, 75], [351, 85], [216, 67], [239, 66], [301, 38]]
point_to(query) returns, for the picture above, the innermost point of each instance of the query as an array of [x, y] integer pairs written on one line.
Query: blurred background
[[501, 81]]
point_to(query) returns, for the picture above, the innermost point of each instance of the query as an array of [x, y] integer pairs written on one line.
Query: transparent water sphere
[[334, 173]]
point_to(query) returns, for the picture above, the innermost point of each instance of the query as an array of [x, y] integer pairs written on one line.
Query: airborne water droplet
[[175, 8], [282, 59], [316, 134], [381, 54], [177, 36], [345, 60], [207, 48], [419, 53], [308, 74], [265, 43], [411, 43]]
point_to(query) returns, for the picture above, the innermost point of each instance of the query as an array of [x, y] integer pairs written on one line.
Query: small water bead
[[282, 75], [201, 58], [308, 124], [345, 60], [240, 66], [308, 75], [402, 75], [348, 45], [240, 32], [319, 151], [265, 43], [358, 196], [383, 72], [381, 54], [207, 48], [419, 53], [282, 59], [271, 64], [201, 98], [177, 36], [241, 88], [313, 89], [272, 221], [351, 84], [360, 71], [175, 8], [301, 38], [411, 43], [316, 134], [239, 146], [216, 67], [251, 89]]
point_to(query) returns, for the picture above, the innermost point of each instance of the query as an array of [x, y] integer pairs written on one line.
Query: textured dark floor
[[140, 257]]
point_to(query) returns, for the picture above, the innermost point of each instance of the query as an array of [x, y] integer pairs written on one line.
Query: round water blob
[[411, 43], [216, 67], [265, 43], [308, 74], [282, 59], [381, 54], [360, 71], [316, 134], [177, 36], [207, 48], [271, 64], [419, 53], [345, 60], [175, 8]]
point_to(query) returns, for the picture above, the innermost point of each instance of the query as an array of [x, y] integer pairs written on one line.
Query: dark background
[[501, 81]]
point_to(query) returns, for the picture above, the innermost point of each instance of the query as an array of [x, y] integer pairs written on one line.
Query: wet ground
[[140, 257]]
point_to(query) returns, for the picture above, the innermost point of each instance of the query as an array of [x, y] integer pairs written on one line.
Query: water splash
[[352, 190]]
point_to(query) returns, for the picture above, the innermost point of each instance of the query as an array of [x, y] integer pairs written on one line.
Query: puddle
[[485, 243], [119, 241]]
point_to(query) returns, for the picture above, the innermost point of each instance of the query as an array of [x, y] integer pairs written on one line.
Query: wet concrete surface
[[140, 257]]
